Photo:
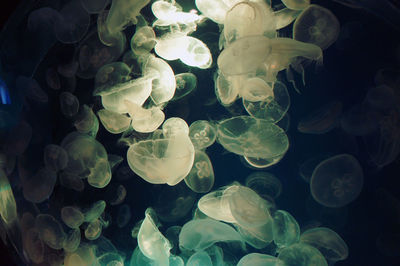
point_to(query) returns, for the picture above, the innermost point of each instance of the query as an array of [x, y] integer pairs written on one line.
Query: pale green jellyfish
[[72, 216], [111, 75], [69, 104], [50, 231], [86, 121], [227, 88], [284, 17], [286, 230], [143, 41], [186, 83], [258, 259], [337, 181], [328, 242], [201, 177], [72, 240], [84, 255], [174, 127], [152, 243], [200, 234], [120, 196], [195, 53], [93, 230], [202, 134], [214, 9], [171, 14], [95, 211], [113, 122], [55, 157], [301, 255], [144, 120], [316, 25], [8, 206], [296, 4], [258, 237], [106, 36], [170, 46], [265, 184], [71, 181], [199, 258]]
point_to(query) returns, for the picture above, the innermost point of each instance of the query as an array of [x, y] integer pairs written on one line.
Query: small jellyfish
[[174, 127], [55, 157], [68, 70], [337, 181], [93, 230], [71, 181], [95, 211], [50, 231], [267, 185], [196, 53], [39, 187], [360, 120], [110, 75], [72, 240], [186, 83], [286, 230], [201, 178], [321, 120], [328, 242], [124, 215], [143, 41], [33, 245], [202, 134], [296, 4], [301, 255], [316, 25], [72, 216], [307, 167], [69, 104], [86, 122], [114, 123], [120, 196]]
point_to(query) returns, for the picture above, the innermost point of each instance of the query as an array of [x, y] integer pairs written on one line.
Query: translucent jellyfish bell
[[258, 259], [69, 104], [201, 177], [284, 17], [110, 75], [143, 41], [94, 6], [186, 83], [144, 120], [199, 258], [72, 216], [296, 4], [170, 46], [285, 229], [213, 9], [301, 255], [265, 184], [114, 123], [337, 181], [50, 231], [316, 25], [196, 53], [55, 157], [202, 133]]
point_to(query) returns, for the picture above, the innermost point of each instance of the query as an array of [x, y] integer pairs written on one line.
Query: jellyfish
[[186, 83], [296, 4], [265, 184], [170, 46], [32, 89], [72, 216], [33, 245], [328, 242], [144, 120], [199, 258], [124, 215], [111, 258], [252, 137], [227, 88], [113, 122], [175, 126], [301, 255], [195, 53], [93, 230], [110, 75], [284, 17], [72, 240], [170, 14], [94, 6], [143, 41], [71, 181], [120, 195], [50, 231], [286, 230], [8, 206], [69, 104], [316, 25], [152, 243], [94, 211], [68, 70], [201, 177], [258, 259], [337, 181], [307, 167], [55, 157], [202, 133], [39, 187]]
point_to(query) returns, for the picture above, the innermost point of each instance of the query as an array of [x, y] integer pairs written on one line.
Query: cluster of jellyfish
[[235, 224]]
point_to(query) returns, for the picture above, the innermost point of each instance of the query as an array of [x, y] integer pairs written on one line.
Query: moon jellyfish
[[264, 184], [152, 243], [73, 22], [114, 123], [50, 231], [72, 216], [252, 137], [258, 259], [55, 157], [200, 234], [170, 46], [143, 41], [301, 255], [185, 84], [286, 230], [72, 240], [71, 181], [199, 258], [306, 169], [321, 120], [120, 196], [33, 245], [196, 53], [124, 215], [86, 122], [316, 25], [296, 4], [214, 9], [201, 177], [39, 187], [144, 120], [284, 17], [110, 75], [271, 108], [202, 134], [337, 181], [8, 206], [93, 230], [69, 104], [94, 6], [328, 242]]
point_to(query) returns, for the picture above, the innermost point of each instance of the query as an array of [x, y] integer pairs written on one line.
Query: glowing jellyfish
[[328, 242], [201, 178], [199, 258], [170, 46], [225, 89], [69, 104], [114, 123], [196, 53], [265, 184], [258, 259], [321, 120], [93, 230], [296, 4], [202, 134], [95, 211], [106, 36], [110, 75], [84, 255], [8, 206], [73, 22], [39, 187], [143, 41], [213, 9], [285, 229], [301, 255], [316, 25], [124, 215], [152, 243], [186, 83], [175, 126], [252, 137], [144, 120], [284, 17], [337, 181], [200, 234], [55, 157], [72, 240], [72, 216], [50, 231], [120, 196]]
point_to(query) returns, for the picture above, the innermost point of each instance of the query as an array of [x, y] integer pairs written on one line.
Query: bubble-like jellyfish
[[113, 122], [152, 243], [143, 41], [286, 230], [195, 53], [321, 120], [258, 259], [110, 75], [201, 234], [72, 240], [93, 230], [69, 104], [267, 185], [296, 4], [213, 9], [72, 216], [316, 25], [50, 231], [202, 134], [144, 120], [55, 157], [252, 137], [95, 211], [328, 242], [39, 187], [199, 258], [301, 255], [94, 6], [186, 83], [71, 181], [201, 177], [175, 126], [73, 22], [337, 181], [119, 196]]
